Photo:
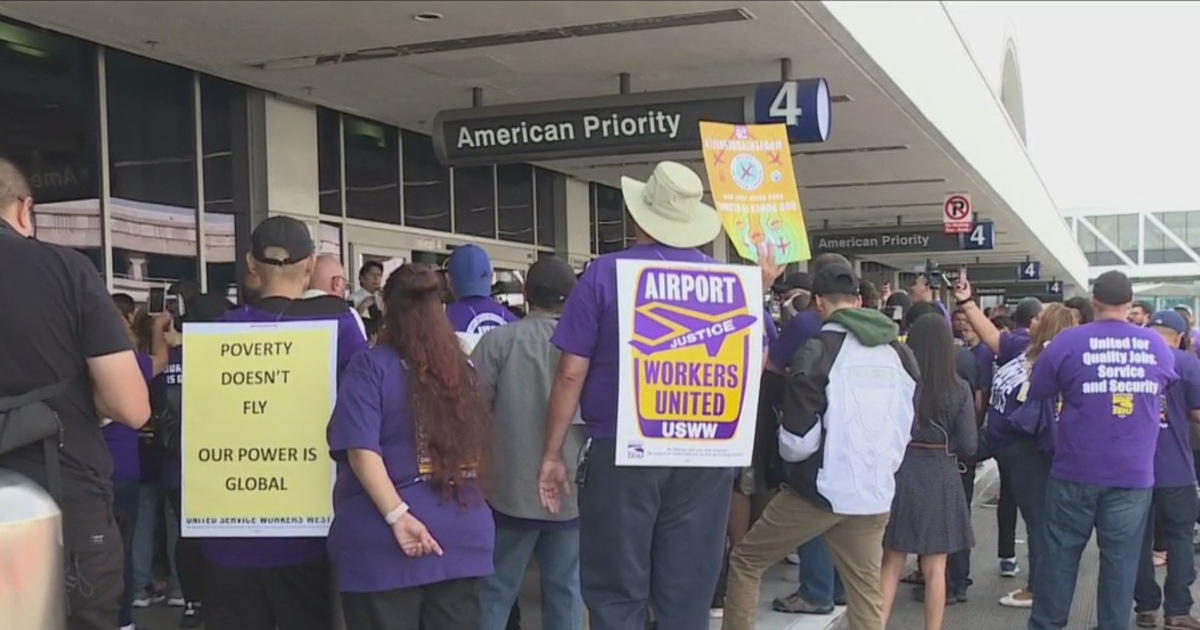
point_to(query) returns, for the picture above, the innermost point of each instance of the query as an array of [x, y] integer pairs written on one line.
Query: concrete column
[[576, 248], [721, 248]]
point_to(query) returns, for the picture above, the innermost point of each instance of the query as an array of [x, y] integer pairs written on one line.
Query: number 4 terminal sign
[[957, 214]]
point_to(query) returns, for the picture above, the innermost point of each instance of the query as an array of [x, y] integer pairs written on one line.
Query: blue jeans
[[557, 553], [1174, 509], [1073, 510], [125, 506], [820, 583], [149, 517]]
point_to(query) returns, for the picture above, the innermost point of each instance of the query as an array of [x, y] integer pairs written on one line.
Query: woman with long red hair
[[411, 533]]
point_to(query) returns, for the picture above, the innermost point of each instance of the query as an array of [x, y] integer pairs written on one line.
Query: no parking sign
[[956, 214]]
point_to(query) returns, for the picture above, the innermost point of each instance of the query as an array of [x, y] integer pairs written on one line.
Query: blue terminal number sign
[[901, 239], [626, 124]]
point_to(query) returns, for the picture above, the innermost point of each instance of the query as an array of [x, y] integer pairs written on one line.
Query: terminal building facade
[[1159, 251], [157, 169]]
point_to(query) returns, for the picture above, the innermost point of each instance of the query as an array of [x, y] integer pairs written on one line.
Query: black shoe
[[918, 595], [193, 616]]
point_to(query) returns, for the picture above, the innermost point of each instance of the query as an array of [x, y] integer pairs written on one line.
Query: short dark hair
[[186, 289], [830, 258], [1002, 322], [1081, 304], [1027, 309], [1145, 306], [125, 303], [367, 266], [918, 310], [870, 294]]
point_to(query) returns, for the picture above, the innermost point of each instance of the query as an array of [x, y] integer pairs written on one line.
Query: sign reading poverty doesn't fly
[[256, 402], [690, 358]]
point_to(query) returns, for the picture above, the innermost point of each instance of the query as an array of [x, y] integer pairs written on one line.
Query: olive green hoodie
[[869, 326]]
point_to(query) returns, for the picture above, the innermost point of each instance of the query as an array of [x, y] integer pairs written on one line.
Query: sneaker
[[716, 613], [795, 604], [1019, 598], [1146, 620], [1185, 622], [1009, 567], [146, 598], [192, 617], [793, 558]]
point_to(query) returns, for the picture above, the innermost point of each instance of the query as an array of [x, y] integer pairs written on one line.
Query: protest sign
[[754, 189], [256, 402], [690, 359]]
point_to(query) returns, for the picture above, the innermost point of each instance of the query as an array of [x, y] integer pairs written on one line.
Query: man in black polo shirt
[[60, 326]]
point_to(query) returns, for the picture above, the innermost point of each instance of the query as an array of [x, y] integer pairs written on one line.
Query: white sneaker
[[793, 558], [146, 598], [176, 601], [716, 613], [1011, 600]]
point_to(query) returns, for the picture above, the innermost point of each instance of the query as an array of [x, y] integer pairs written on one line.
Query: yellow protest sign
[[754, 189], [256, 401]]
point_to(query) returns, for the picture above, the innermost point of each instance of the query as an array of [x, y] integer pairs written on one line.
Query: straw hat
[[668, 206]]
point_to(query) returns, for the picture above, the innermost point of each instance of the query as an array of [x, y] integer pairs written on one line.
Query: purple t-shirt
[[373, 414], [588, 328], [804, 326], [478, 315], [281, 552], [1111, 376], [1007, 380], [985, 365], [1174, 465], [123, 441]]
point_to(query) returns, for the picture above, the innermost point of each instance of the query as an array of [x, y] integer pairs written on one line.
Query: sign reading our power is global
[[256, 402], [626, 124], [691, 354]]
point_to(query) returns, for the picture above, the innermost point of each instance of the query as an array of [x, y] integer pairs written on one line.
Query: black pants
[[650, 538], [1174, 511], [958, 565], [449, 605], [95, 565], [1006, 516], [290, 598], [189, 556]]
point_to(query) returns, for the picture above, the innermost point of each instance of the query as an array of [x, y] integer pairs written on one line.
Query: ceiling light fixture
[[429, 16]]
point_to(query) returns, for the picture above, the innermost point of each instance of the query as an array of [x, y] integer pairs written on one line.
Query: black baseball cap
[[281, 233], [549, 282], [792, 281], [835, 280], [1112, 288]]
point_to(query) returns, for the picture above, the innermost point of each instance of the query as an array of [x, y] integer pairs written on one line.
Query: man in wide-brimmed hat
[[650, 538]]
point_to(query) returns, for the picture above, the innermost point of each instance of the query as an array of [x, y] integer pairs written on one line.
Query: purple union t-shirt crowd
[[1112, 376]]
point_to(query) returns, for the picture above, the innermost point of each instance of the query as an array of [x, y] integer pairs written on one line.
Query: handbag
[[168, 420], [27, 419]]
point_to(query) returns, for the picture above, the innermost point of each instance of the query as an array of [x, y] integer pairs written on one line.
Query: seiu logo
[[635, 451]]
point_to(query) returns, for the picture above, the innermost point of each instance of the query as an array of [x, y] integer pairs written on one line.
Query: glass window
[[1153, 237], [1108, 226], [551, 201], [426, 185], [152, 166], [1192, 238], [224, 142], [1127, 233], [329, 161], [630, 226], [593, 230], [50, 126], [372, 170], [514, 199], [475, 201], [610, 220]]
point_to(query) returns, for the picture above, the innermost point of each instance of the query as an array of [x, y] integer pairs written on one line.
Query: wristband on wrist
[[395, 515], [970, 300]]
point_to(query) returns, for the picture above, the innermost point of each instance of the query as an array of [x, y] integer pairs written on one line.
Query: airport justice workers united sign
[[690, 359], [626, 124], [256, 401]]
